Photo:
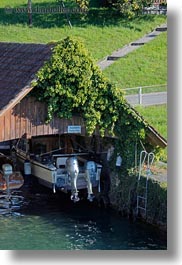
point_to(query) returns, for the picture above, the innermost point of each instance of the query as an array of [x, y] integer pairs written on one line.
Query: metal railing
[[155, 11], [138, 95], [145, 89]]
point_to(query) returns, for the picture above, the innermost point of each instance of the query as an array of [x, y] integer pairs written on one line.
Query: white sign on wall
[[74, 129]]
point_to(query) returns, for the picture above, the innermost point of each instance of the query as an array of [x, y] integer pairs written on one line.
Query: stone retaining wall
[[123, 198]]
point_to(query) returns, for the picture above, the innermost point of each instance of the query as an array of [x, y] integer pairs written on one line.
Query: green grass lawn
[[102, 30], [156, 116], [143, 67]]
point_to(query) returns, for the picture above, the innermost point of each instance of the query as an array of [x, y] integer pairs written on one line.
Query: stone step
[[161, 29], [137, 43], [113, 58]]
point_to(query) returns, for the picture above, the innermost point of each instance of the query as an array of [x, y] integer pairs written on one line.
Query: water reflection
[[52, 223]]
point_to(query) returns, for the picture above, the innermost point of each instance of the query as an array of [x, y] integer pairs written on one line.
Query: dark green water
[[51, 222]]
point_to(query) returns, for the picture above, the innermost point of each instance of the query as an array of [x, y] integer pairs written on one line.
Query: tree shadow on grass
[[49, 15]]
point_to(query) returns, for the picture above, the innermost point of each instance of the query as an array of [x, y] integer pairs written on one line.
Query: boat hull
[[56, 176]]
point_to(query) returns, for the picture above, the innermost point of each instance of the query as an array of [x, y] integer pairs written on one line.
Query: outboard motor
[[90, 174], [73, 171]]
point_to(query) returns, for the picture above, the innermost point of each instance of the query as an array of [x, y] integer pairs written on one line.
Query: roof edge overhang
[[18, 97], [156, 137]]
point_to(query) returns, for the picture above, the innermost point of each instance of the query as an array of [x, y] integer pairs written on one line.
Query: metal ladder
[[148, 159]]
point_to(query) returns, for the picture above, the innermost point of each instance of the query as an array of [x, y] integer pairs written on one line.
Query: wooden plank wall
[[29, 117]]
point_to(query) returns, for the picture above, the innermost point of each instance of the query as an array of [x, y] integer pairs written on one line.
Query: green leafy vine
[[70, 82]]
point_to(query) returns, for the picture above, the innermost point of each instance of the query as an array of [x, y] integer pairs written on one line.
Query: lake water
[[53, 222]]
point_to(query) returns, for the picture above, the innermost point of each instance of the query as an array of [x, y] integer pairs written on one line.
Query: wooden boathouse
[[19, 113]]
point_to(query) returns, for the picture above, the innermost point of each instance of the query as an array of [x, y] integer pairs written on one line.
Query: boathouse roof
[[19, 63]]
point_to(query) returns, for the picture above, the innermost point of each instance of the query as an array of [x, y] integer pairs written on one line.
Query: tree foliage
[[83, 3], [72, 83], [129, 8]]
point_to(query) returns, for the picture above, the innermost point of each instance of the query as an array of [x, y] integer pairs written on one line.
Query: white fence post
[[140, 95]]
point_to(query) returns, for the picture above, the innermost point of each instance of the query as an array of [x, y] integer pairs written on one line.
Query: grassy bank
[[102, 30], [143, 67], [156, 116]]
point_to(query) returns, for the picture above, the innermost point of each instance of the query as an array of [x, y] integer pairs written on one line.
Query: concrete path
[[160, 172], [148, 99], [131, 47]]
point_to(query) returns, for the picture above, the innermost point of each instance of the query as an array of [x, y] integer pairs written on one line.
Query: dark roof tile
[[19, 63]]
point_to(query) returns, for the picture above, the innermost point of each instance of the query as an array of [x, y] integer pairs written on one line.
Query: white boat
[[71, 171]]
